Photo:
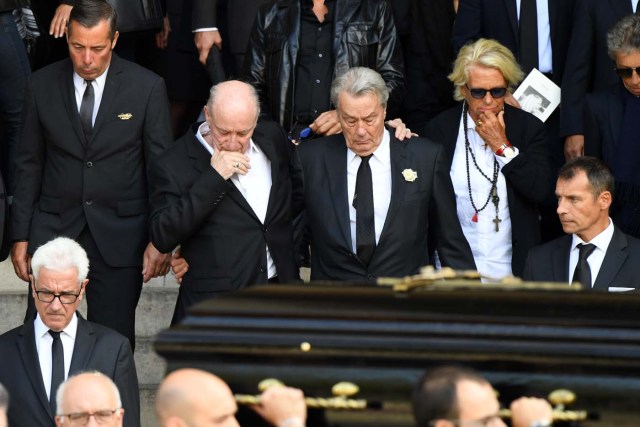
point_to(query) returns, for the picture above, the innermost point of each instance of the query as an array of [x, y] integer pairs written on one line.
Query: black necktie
[[363, 203], [582, 274], [528, 35], [57, 368], [86, 110]]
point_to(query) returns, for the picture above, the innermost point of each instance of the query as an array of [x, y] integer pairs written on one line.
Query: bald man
[[89, 397], [191, 397], [223, 193]]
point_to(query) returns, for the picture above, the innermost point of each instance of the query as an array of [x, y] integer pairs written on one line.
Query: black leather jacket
[[364, 35]]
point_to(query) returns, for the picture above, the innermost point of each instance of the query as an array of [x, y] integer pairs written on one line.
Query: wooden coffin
[[524, 341]]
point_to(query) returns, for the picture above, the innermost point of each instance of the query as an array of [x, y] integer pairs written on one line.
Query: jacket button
[[370, 277], [89, 202], [264, 229], [89, 164]]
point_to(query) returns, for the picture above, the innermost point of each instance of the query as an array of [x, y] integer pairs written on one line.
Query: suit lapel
[[69, 100], [83, 347], [335, 162], [560, 259], [450, 133], [553, 6], [614, 258], [510, 5], [111, 89], [615, 111], [29, 354], [269, 150], [621, 7], [398, 184]]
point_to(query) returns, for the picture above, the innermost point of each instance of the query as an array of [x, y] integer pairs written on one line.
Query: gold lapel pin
[[125, 116]]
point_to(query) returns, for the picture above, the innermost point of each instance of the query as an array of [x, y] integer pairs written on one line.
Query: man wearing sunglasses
[[498, 157], [612, 125], [454, 396], [39, 355]]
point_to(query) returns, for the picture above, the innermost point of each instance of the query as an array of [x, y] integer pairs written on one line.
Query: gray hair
[[61, 254], [97, 374], [4, 398], [624, 36], [359, 81], [213, 93]]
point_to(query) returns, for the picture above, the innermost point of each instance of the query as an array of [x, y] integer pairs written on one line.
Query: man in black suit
[[594, 251], [39, 355], [223, 193], [91, 125], [89, 395], [589, 68], [372, 217], [544, 47]]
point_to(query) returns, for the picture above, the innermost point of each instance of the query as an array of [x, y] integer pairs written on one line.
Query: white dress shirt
[[44, 340], [491, 250], [380, 164], [255, 186], [545, 61], [98, 89], [601, 241], [634, 5]]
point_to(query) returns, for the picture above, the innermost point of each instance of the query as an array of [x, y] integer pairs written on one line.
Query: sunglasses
[[626, 73], [496, 92]]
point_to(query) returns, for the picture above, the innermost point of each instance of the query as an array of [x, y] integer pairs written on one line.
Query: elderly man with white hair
[[39, 355]]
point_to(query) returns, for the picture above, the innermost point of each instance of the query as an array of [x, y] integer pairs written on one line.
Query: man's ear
[[604, 200], [115, 40], [83, 288]]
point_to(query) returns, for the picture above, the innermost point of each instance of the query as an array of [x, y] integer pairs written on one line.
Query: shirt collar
[[601, 241], [98, 81], [41, 329], [381, 153]]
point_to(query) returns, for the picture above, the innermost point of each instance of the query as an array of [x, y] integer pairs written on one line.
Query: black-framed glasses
[[626, 72], [496, 92], [65, 297], [82, 418]]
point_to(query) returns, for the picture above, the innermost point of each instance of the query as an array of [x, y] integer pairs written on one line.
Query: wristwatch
[[506, 150]]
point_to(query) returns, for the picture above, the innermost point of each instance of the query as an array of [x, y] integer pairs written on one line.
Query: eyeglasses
[[304, 135], [82, 418], [65, 298], [626, 72], [496, 92]]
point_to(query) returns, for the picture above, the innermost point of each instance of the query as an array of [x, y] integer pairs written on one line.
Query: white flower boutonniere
[[410, 175]]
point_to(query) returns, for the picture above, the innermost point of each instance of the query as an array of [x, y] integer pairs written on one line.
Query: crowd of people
[[360, 138]]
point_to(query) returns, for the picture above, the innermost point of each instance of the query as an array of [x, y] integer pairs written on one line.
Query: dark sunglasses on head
[[496, 92], [626, 72]]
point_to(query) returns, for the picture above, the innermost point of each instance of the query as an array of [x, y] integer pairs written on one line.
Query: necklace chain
[[493, 191]]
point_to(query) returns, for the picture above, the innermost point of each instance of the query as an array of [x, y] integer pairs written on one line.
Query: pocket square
[[620, 289], [125, 116]]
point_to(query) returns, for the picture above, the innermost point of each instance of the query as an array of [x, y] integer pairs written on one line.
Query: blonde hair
[[484, 53]]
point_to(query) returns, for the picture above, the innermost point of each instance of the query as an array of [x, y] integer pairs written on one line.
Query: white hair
[[61, 254], [98, 374]]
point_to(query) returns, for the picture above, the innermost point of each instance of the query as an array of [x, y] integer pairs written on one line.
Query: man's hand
[[162, 38], [326, 124], [227, 163], [154, 263], [573, 146], [402, 131], [283, 406], [179, 265], [21, 260], [204, 41], [60, 20], [527, 410], [491, 129]]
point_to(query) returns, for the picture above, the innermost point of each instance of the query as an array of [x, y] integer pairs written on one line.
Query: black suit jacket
[[589, 67], [96, 349], [65, 182], [528, 175], [603, 113], [205, 14], [220, 235], [498, 19], [319, 171], [550, 262]]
